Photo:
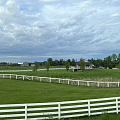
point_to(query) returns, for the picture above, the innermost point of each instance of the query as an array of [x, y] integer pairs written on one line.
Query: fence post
[[10, 76], [3, 76], [59, 111], [50, 79], [117, 106], [88, 84], [16, 76], [88, 107], [68, 82], [32, 77], [26, 112], [78, 83], [59, 80], [108, 85], [98, 84], [23, 77], [118, 84], [40, 79]]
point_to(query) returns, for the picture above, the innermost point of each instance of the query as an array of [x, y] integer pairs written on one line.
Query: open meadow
[[18, 91], [14, 91], [94, 74]]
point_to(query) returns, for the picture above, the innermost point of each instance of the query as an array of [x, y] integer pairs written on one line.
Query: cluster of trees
[[51, 62], [108, 62], [60, 62], [8, 64]]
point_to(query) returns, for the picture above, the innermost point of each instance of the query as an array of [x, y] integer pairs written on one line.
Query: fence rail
[[62, 81], [66, 109], [29, 70]]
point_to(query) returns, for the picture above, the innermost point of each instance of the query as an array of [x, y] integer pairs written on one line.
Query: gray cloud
[[70, 28]]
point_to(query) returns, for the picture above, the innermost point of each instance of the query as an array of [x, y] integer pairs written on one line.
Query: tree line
[[60, 62], [51, 62], [110, 62]]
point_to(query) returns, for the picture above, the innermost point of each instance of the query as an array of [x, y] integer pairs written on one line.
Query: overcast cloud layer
[[59, 28]]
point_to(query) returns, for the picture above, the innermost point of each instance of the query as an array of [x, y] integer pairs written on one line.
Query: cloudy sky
[[37, 29]]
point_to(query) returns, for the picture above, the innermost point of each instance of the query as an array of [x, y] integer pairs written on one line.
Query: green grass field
[[18, 91], [96, 74], [99, 117]]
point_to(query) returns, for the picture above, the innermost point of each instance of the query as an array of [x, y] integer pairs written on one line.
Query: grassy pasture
[[95, 74], [18, 91], [99, 117]]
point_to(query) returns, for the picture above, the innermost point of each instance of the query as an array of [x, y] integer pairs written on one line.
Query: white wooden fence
[[29, 70], [62, 81], [58, 110], [15, 70]]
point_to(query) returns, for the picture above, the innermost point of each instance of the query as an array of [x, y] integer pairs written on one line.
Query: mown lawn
[[18, 91], [99, 117], [96, 74]]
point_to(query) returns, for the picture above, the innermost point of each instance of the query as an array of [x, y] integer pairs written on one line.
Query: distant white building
[[26, 64], [20, 63]]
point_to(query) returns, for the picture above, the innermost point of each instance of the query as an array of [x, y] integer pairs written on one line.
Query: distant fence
[[29, 70], [58, 110], [15, 70], [62, 81]]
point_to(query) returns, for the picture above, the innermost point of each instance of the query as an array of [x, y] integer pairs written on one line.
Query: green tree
[[118, 66], [73, 62], [47, 65], [114, 57], [50, 61], [114, 60], [67, 65], [82, 64], [56, 62], [118, 58], [36, 66], [108, 62], [61, 62]]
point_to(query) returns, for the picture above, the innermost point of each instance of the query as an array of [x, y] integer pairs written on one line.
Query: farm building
[[88, 65], [25, 64]]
